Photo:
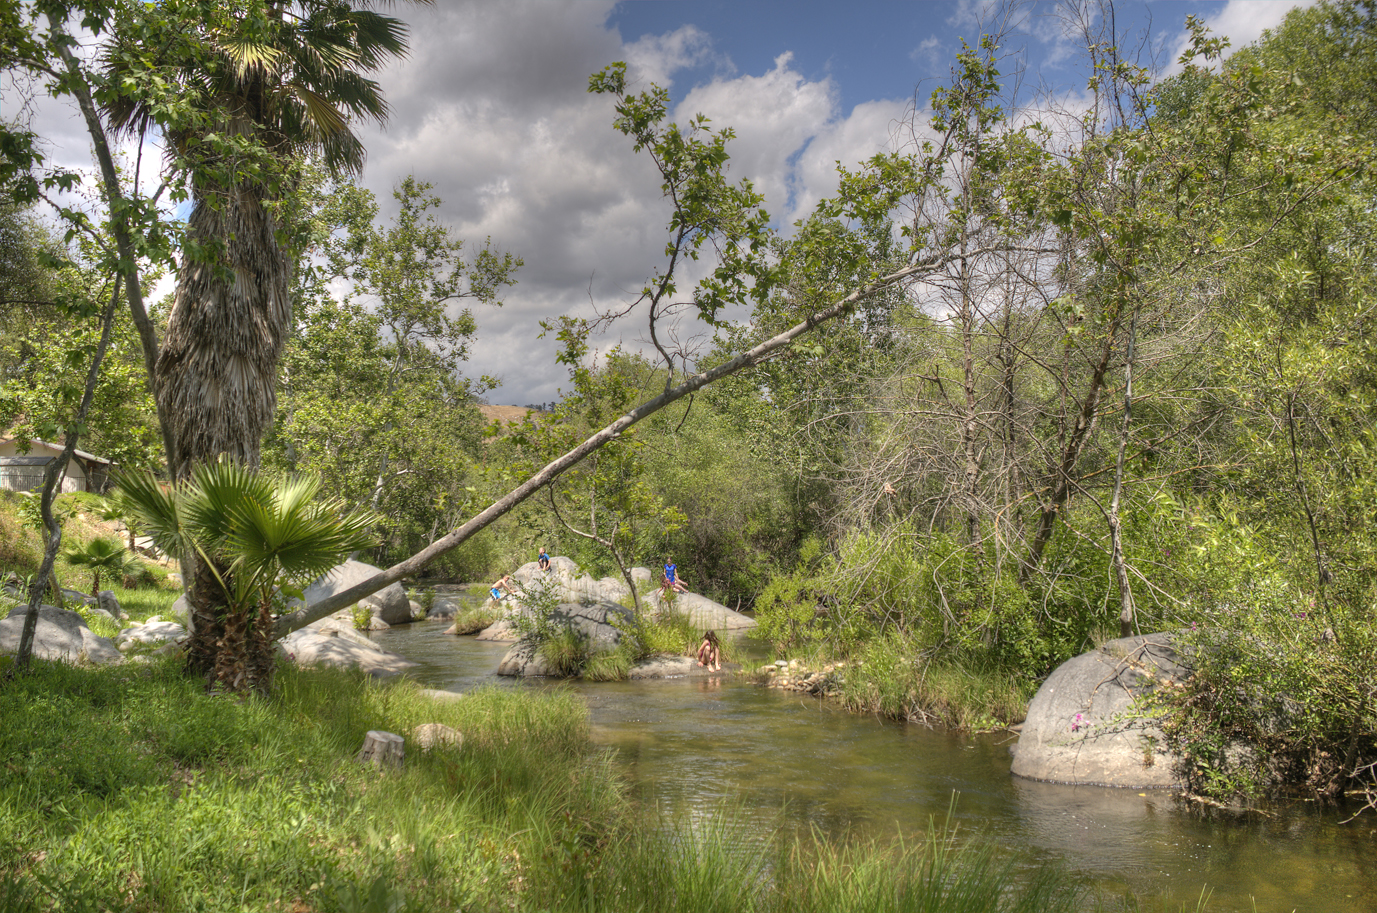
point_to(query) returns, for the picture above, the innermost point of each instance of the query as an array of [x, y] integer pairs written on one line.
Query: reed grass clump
[[721, 864], [894, 677]]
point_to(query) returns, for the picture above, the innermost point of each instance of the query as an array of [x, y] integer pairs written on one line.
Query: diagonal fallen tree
[[285, 624], [709, 213]]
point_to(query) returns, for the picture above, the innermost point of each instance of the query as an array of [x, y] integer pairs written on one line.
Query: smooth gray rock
[[435, 694], [444, 608], [77, 596], [575, 586], [150, 632], [676, 667], [428, 736], [598, 623], [106, 600], [180, 612], [390, 603], [330, 642], [503, 630], [61, 635], [1082, 727], [703, 612]]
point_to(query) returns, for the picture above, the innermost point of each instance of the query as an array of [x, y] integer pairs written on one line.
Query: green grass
[[131, 788], [477, 613], [145, 602], [893, 677]]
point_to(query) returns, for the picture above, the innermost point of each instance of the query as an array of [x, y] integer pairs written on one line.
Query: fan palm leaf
[[99, 556]]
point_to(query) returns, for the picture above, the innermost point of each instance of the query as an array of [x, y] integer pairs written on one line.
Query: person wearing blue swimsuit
[[502, 588], [671, 579]]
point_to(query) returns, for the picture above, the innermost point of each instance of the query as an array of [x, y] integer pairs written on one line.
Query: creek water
[[689, 745]]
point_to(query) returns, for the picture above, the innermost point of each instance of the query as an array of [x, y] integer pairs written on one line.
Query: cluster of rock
[[387, 607], [597, 610], [792, 675], [333, 641], [61, 634]]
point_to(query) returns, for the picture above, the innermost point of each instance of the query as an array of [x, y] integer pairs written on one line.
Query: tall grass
[[714, 865], [893, 676], [130, 788]]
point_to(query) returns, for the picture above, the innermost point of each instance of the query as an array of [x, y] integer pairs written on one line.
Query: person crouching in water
[[710, 652]]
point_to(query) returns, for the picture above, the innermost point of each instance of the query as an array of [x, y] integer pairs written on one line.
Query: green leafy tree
[[372, 398]]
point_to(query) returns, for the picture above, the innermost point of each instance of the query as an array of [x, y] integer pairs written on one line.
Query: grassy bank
[[21, 552], [129, 788], [893, 677]]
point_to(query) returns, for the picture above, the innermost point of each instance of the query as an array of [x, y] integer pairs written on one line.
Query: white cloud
[[656, 58], [1241, 21], [929, 52], [492, 107]]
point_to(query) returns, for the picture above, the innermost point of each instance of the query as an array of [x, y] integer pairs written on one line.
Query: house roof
[[56, 449]]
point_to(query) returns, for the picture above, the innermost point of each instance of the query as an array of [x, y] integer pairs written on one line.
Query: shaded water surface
[[688, 745]]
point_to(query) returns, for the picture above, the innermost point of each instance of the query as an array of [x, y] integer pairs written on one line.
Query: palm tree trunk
[[217, 371], [216, 380]]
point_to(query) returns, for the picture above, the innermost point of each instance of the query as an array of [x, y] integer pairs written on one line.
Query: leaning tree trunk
[[216, 378]]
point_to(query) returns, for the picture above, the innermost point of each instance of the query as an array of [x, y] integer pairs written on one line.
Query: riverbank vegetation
[[132, 788], [1036, 377]]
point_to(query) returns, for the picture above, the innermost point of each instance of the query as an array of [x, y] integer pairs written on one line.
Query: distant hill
[[504, 414]]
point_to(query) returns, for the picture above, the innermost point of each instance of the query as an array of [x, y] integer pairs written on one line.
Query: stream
[[688, 745]]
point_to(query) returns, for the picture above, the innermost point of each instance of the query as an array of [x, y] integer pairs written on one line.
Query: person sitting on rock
[[544, 560], [672, 583], [502, 588], [710, 652]]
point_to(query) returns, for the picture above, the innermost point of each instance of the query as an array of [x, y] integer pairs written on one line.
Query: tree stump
[[385, 749]]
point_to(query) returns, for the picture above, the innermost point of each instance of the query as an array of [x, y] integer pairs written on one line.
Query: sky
[[491, 107]]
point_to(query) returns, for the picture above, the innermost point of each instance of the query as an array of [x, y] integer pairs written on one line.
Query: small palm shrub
[[100, 556]]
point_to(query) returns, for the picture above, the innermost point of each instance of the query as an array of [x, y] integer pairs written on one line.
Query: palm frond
[[215, 496], [153, 508], [247, 54]]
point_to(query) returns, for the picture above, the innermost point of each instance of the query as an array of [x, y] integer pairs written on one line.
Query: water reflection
[[687, 746]]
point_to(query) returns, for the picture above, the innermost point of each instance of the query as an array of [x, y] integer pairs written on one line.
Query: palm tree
[[258, 538], [99, 556], [267, 82]]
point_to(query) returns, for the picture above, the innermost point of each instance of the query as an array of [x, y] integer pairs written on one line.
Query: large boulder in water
[[600, 624], [572, 585], [1084, 726], [61, 634]]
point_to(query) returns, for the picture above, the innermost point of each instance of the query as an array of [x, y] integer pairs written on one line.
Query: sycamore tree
[[372, 395], [608, 499]]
